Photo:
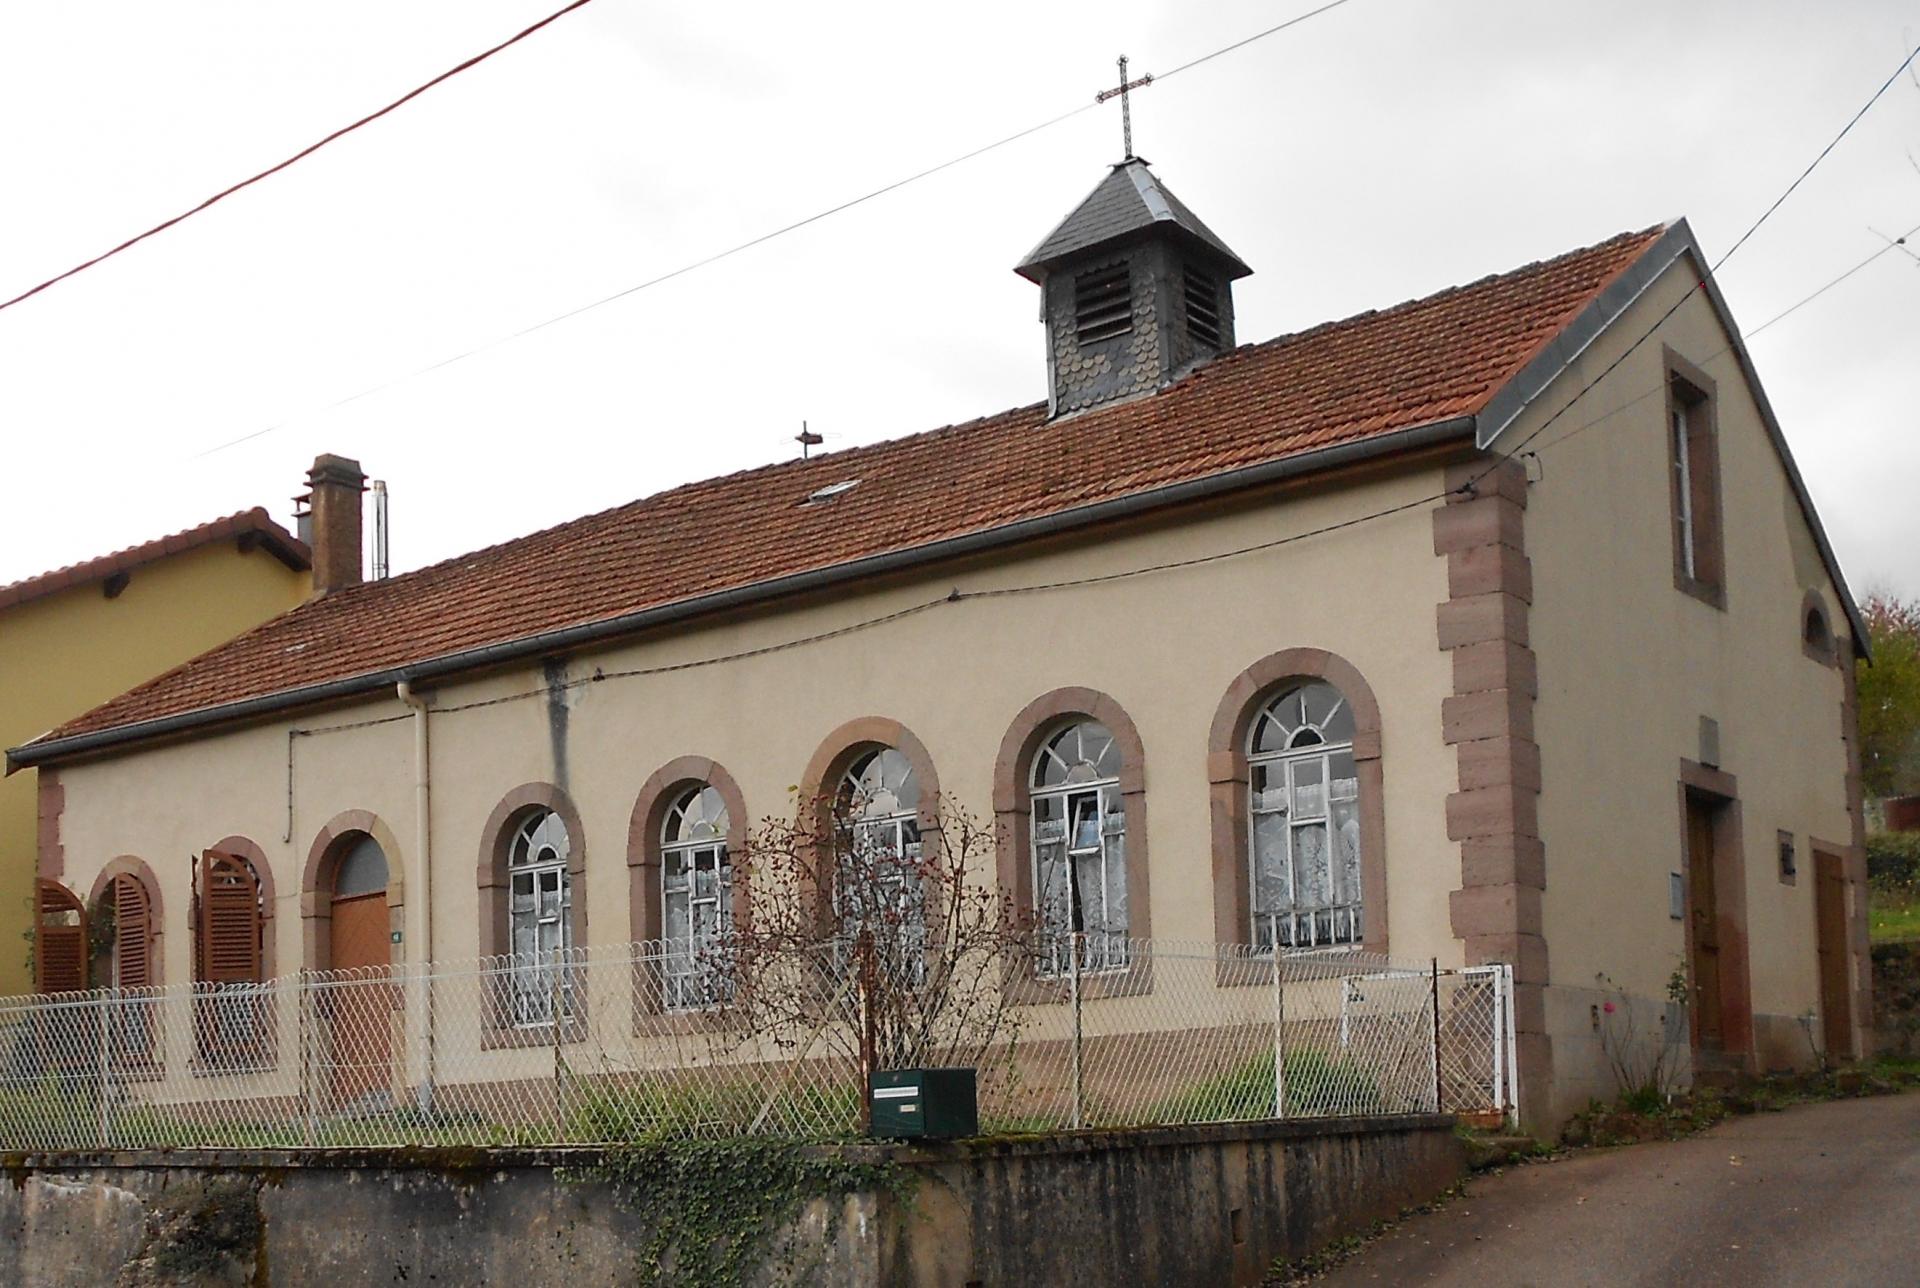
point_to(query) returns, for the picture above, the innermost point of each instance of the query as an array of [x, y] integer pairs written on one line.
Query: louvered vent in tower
[[1103, 304], [1203, 308]]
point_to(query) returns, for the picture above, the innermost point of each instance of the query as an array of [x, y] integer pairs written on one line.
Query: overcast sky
[[1381, 151]]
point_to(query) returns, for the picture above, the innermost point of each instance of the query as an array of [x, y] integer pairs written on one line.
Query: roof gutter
[[414, 674]]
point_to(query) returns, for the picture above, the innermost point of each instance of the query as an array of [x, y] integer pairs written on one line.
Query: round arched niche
[[343, 847]]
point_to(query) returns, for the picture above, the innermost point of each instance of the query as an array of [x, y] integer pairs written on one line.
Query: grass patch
[[1316, 1083], [1893, 912]]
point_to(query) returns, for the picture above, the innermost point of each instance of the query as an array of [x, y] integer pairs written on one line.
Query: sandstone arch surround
[[1228, 777], [129, 865], [241, 847], [495, 938], [656, 796], [1013, 792], [316, 882], [836, 752]]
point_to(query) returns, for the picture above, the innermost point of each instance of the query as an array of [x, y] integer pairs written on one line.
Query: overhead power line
[[1724, 350], [302, 154], [760, 240], [1699, 285], [960, 596]]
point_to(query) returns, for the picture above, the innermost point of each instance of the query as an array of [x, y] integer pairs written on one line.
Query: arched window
[[539, 916], [1304, 811], [877, 809], [1816, 636], [696, 896], [1079, 847], [231, 997]]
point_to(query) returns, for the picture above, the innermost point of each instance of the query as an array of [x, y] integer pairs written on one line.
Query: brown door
[[1830, 916], [1703, 929], [362, 1005]]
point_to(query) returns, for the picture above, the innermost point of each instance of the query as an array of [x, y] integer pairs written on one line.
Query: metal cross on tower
[[1126, 108]]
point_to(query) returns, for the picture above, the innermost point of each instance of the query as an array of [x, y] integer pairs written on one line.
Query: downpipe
[[423, 848]]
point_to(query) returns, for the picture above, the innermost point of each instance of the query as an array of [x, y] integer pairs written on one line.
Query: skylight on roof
[[830, 491]]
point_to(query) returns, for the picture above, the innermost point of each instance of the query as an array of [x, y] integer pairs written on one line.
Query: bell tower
[[1135, 292]]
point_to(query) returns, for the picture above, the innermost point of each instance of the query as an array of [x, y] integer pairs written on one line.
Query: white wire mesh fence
[[601, 1045]]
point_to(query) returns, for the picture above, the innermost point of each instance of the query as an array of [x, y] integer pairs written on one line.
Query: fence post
[[309, 1056], [1279, 1038], [1437, 1106], [1076, 1070], [553, 1019], [106, 1068]]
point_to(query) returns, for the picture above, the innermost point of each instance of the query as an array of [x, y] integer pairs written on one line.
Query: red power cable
[[304, 152]]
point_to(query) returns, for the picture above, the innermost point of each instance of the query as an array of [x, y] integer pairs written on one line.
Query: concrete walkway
[[1824, 1194]]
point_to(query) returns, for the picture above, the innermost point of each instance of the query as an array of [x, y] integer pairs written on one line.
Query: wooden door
[[361, 1007], [1703, 928], [1830, 917]]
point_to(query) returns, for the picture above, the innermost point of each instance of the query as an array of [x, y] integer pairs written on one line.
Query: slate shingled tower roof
[[1129, 201], [1420, 372]]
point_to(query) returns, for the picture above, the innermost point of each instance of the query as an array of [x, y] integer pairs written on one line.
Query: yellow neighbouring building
[[72, 638]]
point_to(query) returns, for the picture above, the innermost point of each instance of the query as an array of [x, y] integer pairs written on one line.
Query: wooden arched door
[[360, 955]]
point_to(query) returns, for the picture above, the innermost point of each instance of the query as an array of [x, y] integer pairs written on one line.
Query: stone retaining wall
[[1166, 1206]]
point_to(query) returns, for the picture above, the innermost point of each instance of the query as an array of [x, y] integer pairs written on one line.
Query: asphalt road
[[1825, 1194]]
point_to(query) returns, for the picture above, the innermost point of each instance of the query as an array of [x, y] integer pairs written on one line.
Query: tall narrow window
[[231, 998], [878, 881], [1699, 565], [539, 917], [696, 897], [1079, 848], [1683, 495], [1304, 811]]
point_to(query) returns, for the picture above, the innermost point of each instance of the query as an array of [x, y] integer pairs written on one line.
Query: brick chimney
[[329, 518]]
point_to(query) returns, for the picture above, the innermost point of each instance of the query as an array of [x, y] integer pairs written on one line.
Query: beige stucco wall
[[1165, 646], [1629, 664], [71, 650]]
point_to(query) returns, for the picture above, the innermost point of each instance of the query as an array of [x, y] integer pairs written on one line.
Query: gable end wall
[[1629, 666]]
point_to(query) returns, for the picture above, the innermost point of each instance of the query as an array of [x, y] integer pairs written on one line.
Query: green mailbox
[[930, 1104]]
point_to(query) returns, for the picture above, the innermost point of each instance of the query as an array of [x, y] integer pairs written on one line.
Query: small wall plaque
[[1676, 896], [394, 938]]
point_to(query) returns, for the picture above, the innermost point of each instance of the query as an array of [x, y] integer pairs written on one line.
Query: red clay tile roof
[[1418, 363], [289, 549]]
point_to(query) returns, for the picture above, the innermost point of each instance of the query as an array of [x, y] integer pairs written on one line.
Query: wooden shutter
[[60, 951], [229, 939], [132, 933]]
